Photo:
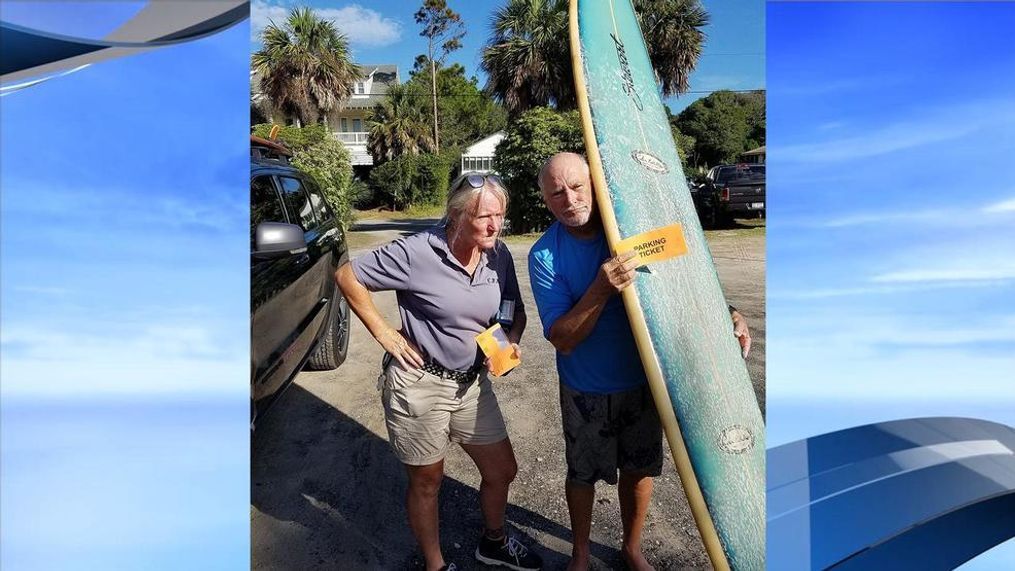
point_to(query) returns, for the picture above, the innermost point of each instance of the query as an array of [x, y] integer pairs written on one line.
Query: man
[[609, 419]]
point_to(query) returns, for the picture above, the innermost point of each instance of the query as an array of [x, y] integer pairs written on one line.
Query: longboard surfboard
[[677, 311]]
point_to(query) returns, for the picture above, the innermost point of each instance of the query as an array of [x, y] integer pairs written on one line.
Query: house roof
[[759, 151], [471, 148]]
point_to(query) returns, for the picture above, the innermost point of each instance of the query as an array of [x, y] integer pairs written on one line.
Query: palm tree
[[674, 36], [527, 58], [399, 124], [305, 66]]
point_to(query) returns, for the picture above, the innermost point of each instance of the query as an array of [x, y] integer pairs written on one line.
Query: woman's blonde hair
[[463, 199]]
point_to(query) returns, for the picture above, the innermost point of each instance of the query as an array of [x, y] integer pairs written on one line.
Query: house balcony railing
[[352, 138]]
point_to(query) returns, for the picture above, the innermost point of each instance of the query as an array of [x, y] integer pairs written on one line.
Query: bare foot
[[635, 561], [579, 562]]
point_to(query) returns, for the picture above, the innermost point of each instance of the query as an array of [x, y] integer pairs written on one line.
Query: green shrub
[[296, 138], [324, 158], [414, 180], [529, 141]]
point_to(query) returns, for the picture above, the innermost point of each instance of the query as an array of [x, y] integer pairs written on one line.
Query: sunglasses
[[478, 180]]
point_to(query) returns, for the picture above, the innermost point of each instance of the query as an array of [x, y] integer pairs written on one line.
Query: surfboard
[[921, 493], [677, 311]]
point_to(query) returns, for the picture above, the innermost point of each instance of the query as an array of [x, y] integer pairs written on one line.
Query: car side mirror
[[277, 240]]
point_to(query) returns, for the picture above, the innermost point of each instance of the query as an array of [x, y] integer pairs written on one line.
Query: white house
[[754, 156], [348, 125], [478, 156]]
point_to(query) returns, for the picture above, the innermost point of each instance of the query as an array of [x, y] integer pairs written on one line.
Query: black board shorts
[[604, 433]]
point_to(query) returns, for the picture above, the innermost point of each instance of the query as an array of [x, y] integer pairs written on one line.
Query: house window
[[345, 125], [357, 125], [359, 88]]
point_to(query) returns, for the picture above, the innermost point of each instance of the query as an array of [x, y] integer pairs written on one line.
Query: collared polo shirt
[[442, 307]]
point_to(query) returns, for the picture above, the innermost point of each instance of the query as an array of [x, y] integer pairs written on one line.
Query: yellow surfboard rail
[[671, 426]]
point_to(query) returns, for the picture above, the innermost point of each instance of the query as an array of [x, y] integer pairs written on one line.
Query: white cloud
[[1003, 206], [43, 290], [263, 13], [1004, 271], [362, 26], [859, 219], [926, 128], [157, 358], [836, 354], [952, 217], [880, 289]]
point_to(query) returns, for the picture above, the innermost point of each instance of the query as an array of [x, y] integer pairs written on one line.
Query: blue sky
[[124, 221], [124, 358], [385, 32], [891, 255]]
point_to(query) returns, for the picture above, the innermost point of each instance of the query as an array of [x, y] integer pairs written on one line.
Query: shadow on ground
[[405, 227], [341, 506]]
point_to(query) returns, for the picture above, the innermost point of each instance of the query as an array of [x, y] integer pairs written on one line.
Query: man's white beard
[[579, 218]]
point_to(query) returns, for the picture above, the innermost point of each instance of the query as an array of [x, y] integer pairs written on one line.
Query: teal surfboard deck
[[677, 310]]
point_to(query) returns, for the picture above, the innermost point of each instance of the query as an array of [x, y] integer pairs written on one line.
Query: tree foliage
[[444, 30], [526, 58], [466, 113], [398, 124], [327, 161], [410, 180], [293, 137], [724, 124], [305, 66], [533, 138], [674, 34]]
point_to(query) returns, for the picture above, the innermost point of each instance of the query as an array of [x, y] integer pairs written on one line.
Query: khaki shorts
[[425, 414]]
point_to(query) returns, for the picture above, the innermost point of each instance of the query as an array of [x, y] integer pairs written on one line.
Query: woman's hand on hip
[[401, 349]]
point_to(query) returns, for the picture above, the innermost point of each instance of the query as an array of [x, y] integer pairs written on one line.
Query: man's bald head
[[567, 188], [562, 162]]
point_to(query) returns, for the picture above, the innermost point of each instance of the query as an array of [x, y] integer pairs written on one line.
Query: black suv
[[298, 317]]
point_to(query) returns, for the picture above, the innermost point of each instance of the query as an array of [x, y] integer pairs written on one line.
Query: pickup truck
[[732, 191]]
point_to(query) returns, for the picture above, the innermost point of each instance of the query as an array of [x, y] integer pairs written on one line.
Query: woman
[[452, 282]]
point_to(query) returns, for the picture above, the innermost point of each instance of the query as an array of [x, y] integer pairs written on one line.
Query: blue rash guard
[[561, 269]]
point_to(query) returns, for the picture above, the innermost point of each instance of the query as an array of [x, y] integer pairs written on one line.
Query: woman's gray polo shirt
[[441, 306]]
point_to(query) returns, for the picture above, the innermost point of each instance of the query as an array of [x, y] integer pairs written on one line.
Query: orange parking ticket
[[656, 245], [495, 345]]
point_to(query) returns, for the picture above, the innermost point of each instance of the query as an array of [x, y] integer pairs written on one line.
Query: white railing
[[352, 138]]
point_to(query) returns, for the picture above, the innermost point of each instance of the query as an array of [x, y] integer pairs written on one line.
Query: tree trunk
[[433, 84]]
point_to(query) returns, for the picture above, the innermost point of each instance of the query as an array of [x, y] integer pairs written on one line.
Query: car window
[[265, 205], [298, 201], [740, 173], [317, 201]]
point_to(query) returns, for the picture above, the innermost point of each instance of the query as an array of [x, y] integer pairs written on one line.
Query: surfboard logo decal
[[625, 73], [650, 162], [736, 440]]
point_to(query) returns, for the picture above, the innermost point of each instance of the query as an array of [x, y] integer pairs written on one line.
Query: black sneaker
[[508, 552]]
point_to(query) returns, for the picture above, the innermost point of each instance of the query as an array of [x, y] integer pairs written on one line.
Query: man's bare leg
[[580, 498], [635, 491]]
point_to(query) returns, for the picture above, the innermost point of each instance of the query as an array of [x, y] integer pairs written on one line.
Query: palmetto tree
[[399, 124], [527, 58], [674, 36], [305, 67]]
